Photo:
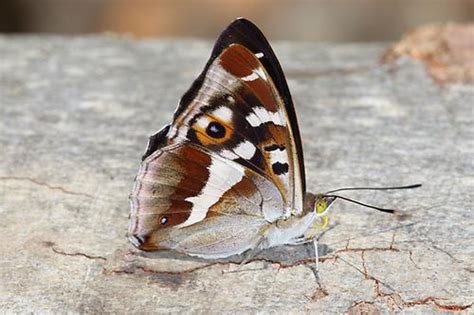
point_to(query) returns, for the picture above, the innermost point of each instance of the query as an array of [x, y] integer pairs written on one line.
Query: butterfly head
[[319, 204], [322, 204]]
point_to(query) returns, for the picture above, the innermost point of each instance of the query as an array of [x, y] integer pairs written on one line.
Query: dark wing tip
[[241, 21], [243, 31]]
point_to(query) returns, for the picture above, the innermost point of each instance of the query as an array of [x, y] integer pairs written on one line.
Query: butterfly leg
[[248, 255], [316, 254], [308, 237], [297, 241], [305, 239], [252, 253]]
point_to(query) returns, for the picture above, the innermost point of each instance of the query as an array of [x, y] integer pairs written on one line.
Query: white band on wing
[[261, 115], [221, 179]]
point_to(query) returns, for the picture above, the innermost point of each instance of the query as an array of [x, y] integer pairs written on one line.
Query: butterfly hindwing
[[182, 186]]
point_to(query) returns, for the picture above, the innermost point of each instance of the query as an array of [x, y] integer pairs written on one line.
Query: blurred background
[[311, 20]]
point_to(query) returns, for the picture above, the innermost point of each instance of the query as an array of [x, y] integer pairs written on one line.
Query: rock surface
[[75, 114]]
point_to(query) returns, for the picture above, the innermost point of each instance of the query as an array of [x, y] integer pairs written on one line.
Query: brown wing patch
[[243, 198], [164, 181], [242, 63], [236, 60]]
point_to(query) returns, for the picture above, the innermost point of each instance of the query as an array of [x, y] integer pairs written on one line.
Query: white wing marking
[[215, 187]]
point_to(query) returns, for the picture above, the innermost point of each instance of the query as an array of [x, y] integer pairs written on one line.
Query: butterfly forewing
[[238, 113]]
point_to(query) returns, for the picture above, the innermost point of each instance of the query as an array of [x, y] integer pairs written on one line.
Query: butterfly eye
[[164, 220], [321, 206], [215, 130]]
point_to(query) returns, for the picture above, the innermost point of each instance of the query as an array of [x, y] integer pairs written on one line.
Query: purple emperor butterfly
[[227, 175]]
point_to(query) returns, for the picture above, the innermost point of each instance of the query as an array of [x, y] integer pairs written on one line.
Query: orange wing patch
[[216, 127]]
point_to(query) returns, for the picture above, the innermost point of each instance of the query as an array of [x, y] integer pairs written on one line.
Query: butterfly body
[[227, 175]]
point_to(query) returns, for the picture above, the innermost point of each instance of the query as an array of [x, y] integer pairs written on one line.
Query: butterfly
[[227, 175]]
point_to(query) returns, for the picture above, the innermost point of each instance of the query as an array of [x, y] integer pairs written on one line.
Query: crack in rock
[[133, 268], [395, 299], [435, 301], [43, 184], [61, 252], [434, 246]]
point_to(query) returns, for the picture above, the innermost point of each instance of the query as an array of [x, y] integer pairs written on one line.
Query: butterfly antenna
[[374, 188], [361, 203]]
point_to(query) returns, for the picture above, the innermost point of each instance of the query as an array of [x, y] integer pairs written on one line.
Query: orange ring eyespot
[[212, 131]]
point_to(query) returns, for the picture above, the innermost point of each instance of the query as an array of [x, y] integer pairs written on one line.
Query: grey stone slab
[[75, 114]]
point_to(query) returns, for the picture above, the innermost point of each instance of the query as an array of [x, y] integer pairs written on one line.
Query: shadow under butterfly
[[226, 176]]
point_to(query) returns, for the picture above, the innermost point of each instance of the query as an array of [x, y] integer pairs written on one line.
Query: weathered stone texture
[[75, 114]]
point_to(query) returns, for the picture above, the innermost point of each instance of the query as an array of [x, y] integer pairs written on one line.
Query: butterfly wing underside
[[231, 161], [185, 198], [240, 108]]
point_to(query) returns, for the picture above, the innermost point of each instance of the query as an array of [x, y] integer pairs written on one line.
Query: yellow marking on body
[[319, 207]]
